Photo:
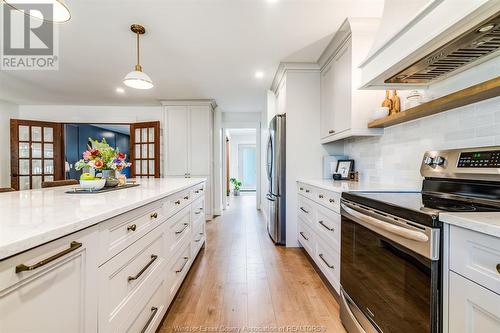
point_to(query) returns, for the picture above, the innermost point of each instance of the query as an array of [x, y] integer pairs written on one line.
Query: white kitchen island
[[106, 262]]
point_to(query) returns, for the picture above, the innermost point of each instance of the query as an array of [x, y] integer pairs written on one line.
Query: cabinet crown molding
[[285, 67], [182, 102]]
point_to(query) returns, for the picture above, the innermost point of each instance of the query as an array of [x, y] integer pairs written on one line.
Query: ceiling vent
[[482, 40]]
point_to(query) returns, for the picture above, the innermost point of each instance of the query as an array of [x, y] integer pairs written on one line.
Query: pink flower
[[87, 155], [98, 164]]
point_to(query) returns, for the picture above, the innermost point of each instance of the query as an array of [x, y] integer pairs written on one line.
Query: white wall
[[7, 111], [395, 157], [234, 142]]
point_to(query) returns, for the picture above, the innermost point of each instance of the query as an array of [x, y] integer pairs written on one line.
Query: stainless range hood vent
[[482, 40]]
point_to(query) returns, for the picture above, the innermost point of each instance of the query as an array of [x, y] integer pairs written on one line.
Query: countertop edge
[[343, 186], [14, 248], [471, 223]]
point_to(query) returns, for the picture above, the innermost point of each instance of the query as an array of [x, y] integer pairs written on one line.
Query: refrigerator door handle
[[269, 197]]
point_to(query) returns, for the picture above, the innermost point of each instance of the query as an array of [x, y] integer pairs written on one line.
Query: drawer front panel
[[476, 256], [198, 190], [306, 210], [197, 211], [179, 229], [118, 233], [473, 309], [178, 270], [328, 261], [306, 190], [124, 279], [176, 202], [328, 226], [306, 238]]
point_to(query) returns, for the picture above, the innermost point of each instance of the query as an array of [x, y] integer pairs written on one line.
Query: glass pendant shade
[[138, 80], [60, 13]]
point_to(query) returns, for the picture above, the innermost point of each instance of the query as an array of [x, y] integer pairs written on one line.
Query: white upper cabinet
[[177, 140], [412, 37], [345, 110], [200, 140]]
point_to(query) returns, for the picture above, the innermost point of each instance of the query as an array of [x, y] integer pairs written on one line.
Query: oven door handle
[[394, 229]]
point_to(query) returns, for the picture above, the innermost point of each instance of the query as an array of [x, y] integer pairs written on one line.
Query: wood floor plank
[[242, 279]]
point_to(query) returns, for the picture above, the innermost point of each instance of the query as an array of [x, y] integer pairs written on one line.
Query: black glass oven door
[[390, 284]]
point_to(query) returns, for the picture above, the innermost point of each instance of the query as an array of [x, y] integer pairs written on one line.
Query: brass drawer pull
[[131, 227], [178, 202], [198, 240], [332, 200], [326, 262], [307, 191], [153, 258], [201, 189], [302, 234], [331, 131], [320, 196], [302, 189], [198, 212], [197, 191], [154, 310], [154, 215], [184, 265], [182, 230], [498, 268], [72, 247], [201, 233], [304, 210], [186, 197], [325, 226]]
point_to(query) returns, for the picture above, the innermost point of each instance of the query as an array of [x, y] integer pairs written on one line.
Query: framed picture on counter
[[344, 167]]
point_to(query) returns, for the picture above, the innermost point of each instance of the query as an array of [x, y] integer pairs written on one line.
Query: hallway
[[242, 280]]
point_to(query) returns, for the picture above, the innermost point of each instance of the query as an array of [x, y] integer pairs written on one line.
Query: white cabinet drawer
[[177, 201], [198, 190], [119, 232], [179, 230], [178, 270], [198, 240], [328, 261], [476, 256], [148, 318], [124, 279], [58, 293], [472, 308], [197, 209], [306, 210], [328, 226], [306, 238]]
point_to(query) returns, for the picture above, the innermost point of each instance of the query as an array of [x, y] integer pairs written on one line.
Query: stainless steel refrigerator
[[276, 167]]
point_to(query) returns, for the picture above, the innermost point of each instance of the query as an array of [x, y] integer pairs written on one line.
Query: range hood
[[432, 46]]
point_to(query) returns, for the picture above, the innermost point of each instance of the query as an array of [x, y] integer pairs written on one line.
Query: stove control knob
[[428, 160], [439, 160]]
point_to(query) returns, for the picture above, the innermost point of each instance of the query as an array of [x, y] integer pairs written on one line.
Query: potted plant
[[237, 184]]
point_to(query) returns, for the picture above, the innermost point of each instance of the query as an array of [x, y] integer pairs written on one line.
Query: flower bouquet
[[100, 156]]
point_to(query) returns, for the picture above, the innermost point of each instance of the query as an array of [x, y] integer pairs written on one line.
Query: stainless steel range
[[391, 242]]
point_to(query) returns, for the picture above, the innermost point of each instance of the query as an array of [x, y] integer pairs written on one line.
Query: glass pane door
[[145, 149], [247, 166], [35, 154]]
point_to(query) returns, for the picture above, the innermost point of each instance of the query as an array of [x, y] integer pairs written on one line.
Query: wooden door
[[36, 153], [145, 149], [177, 141], [200, 141]]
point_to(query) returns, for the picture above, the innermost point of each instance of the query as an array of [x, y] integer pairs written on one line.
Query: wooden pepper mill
[[395, 102], [387, 101]]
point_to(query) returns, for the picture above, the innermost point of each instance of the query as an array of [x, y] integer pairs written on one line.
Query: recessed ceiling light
[[487, 27], [259, 74], [120, 90]]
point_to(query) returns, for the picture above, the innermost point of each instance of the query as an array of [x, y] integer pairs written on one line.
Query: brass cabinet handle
[[332, 200], [331, 131], [186, 197], [154, 310], [325, 226], [201, 233], [153, 258], [197, 191], [326, 262], [72, 247], [182, 230], [320, 196], [302, 234], [197, 240], [304, 210], [201, 189], [198, 212], [307, 191], [498, 268], [178, 202], [154, 215], [302, 189], [131, 227], [184, 265]]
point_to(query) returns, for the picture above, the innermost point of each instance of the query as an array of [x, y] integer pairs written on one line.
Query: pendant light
[[60, 12], [138, 79]]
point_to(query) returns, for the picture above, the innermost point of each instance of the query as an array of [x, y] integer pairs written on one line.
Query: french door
[[145, 149], [36, 153]]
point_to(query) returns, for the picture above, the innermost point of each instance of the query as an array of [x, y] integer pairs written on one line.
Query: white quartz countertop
[[362, 186], [485, 222], [34, 217]]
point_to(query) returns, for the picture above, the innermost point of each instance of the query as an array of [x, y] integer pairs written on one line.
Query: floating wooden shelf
[[473, 94]]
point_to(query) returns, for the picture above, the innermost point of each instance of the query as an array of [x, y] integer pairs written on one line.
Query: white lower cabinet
[[319, 229], [472, 281], [118, 276], [51, 288]]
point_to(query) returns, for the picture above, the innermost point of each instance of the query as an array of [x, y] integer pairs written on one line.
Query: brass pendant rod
[[138, 62]]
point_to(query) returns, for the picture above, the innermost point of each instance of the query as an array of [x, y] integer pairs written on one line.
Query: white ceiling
[[192, 49], [241, 131]]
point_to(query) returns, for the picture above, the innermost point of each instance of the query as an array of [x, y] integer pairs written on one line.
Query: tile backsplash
[[395, 156]]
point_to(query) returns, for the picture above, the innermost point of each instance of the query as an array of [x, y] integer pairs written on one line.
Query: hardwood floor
[[242, 280]]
